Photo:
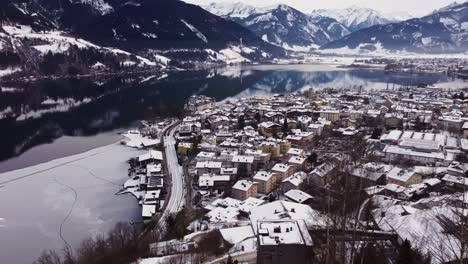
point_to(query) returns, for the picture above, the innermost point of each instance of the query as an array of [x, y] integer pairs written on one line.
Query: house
[[229, 171], [244, 189], [270, 147], [184, 148], [268, 129], [293, 182], [403, 177], [205, 156], [368, 175], [148, 211], [295, 152], [243, 165], [298, 163], [150, 157], [298, 196], [296, 140], [457, 182], [458, 169], [323, 174], [266, 181], [279, 210], [154, 170], [222, 136], [347, 132], [185, 131], [154, 183], [208, 167], [282, 171], [330, 115], [450, 122], [153, 198], [283, 241], [284, 146], [397, 153], [316, 129], [214, 182], [397, 191], [391, 138], [274, 117], [291, 123], [465, 130], [304, 121]]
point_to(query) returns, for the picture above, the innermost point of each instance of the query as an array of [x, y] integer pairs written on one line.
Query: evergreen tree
[[285, 125], [408, 255], [376, 133], [405, 256], [258, 117], [418, 124], [312, 159], [241, 122]]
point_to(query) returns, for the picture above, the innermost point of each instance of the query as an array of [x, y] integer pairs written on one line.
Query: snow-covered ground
[[420, 223], [135, 139], [380, 51], [9, 71], [60, 42], [75, 193]]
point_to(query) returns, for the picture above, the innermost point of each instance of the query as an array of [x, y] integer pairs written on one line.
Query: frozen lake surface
[[73, 194]]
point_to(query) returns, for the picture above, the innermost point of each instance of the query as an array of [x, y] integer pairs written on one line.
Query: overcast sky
[[414, 7]]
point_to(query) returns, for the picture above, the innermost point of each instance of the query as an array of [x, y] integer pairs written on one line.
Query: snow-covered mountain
[[356, 18], [445, 31], [293, 30], [398, 16], [282, 25], [449, 6], [38, 34], [233, 9], [100, 6]]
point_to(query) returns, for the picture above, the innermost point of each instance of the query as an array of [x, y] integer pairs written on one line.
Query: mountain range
[[354, 29], [294, 30], [356, 18], [70, 37], [439, 32]]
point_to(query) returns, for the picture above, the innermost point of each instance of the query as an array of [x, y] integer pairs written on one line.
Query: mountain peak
[[232, 9], [355, 17], [283, 25], [449, 6]]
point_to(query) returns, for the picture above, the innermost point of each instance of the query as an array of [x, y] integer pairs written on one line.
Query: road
[[362, 209], [241, 257], [176, 199]]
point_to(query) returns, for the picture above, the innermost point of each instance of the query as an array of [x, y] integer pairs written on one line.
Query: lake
[[47, 200]]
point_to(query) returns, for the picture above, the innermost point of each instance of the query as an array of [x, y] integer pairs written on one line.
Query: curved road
[[177, 196]]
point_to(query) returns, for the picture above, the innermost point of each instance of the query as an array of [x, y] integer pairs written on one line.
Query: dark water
[[118, 102], [46, 120]]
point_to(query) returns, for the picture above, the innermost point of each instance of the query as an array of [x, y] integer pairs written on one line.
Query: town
[[311, 177]]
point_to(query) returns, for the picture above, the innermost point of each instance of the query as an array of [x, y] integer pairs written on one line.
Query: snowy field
[[63, 201]]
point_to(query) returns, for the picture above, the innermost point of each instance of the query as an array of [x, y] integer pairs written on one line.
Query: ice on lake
[[35, 201]]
